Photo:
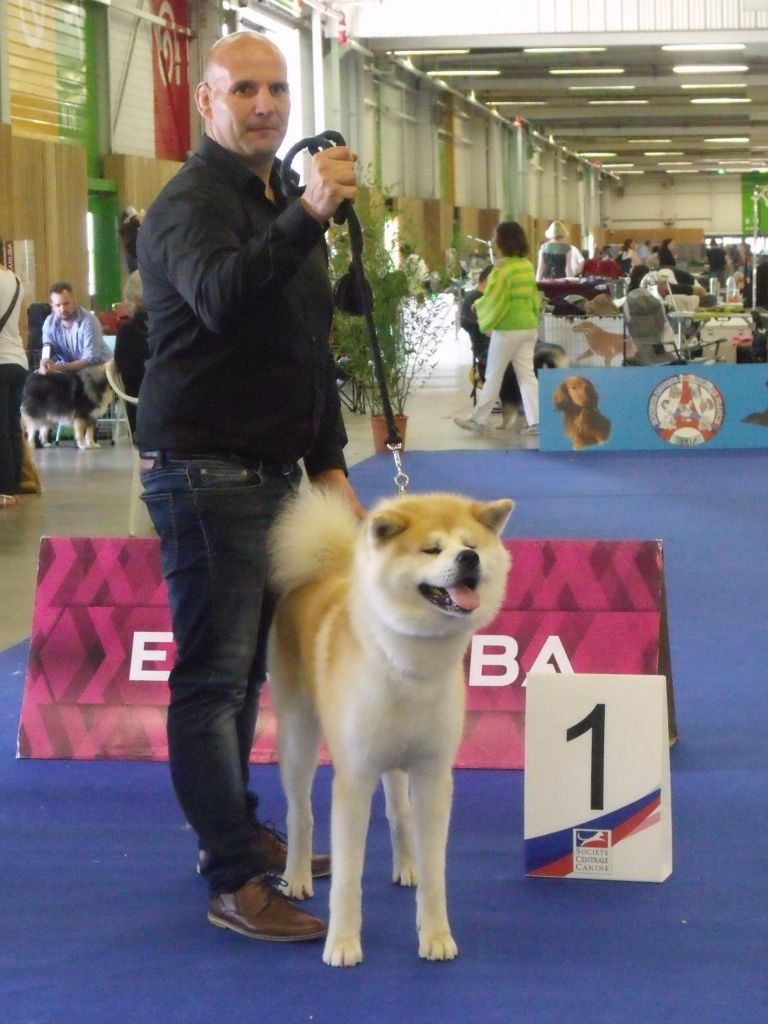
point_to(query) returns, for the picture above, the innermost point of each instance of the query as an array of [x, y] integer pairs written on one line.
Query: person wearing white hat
[[557, 257]]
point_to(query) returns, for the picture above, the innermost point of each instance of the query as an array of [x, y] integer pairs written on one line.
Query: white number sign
[[597, 782]]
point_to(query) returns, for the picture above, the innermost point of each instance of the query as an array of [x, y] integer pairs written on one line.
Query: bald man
[[239, 388]]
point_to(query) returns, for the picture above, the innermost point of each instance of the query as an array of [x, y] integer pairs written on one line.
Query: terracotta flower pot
[[379, 428]]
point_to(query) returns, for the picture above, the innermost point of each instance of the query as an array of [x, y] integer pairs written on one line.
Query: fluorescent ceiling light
[[675, 163], [701, 47], [464, 72], [601, 88], [517, 103], [709, 69], [614, 166], [692, 170], [564, 49], [616, 103], [648, 142], [594, 153], [586, 71], [663, 152], [631, 172], [721, 99], [728, 138], [425, 53], [713, 85]]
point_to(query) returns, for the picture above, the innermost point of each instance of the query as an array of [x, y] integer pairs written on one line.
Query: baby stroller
[[646, 323]]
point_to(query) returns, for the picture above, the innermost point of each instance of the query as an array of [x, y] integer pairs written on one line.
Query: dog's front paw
[[297, 887], [342, 952], [404, 873], [438, 946]]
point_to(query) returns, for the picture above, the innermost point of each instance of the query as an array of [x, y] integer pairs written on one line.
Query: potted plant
[[409, 327]]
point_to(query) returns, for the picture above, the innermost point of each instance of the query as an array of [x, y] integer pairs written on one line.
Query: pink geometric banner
[[102, 646]]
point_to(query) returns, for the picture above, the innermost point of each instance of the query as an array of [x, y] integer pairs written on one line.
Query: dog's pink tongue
[[465, 597]]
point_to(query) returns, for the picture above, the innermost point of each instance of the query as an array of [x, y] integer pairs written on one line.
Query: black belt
[[163, 455]]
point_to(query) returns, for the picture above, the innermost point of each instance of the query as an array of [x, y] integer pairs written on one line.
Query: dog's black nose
[[468, 559]]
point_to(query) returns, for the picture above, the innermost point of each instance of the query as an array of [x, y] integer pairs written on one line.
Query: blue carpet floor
[[102, 917]]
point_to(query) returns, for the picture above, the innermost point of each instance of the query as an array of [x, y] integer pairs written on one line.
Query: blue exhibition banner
[[648, 408]]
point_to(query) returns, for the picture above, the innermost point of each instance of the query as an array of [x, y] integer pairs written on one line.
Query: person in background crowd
[[557, 257], [717, 261], [667, 253], [627, 257], [128, 230], [509, 394], [72, 336], [239, 386], [13, 372], [509, 308], [131, 348]]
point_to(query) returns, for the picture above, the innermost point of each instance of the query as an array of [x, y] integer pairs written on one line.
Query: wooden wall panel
[[139, 178], [487, 221], [655, 235], [468, 222], [7, 226], [49, 190]]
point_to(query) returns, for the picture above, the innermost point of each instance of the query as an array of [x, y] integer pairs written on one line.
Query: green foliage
[[409, 329]]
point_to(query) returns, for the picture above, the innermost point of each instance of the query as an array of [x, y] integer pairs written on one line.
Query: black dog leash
[[353, 290]]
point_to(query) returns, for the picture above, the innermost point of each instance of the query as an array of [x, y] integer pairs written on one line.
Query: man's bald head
[[244, 98], [243, 41]]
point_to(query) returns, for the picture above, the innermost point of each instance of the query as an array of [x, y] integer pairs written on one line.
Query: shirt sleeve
[[221, 275], [575, 262], [91, 340], [490, 306], [327, 451]]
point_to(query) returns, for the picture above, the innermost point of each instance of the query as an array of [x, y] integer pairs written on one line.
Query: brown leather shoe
[[276, 852], [258, 911]]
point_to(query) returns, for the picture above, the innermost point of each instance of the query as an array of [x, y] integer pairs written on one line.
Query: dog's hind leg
[[299, 737], [400, 818], [432, 791], [351, 809]]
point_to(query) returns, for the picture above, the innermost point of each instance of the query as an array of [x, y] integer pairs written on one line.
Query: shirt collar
[[236, 171]]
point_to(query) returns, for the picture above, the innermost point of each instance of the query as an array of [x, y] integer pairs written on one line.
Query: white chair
[[138, 517]]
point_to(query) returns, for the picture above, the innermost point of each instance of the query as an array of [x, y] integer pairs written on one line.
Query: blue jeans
[[12, 379], [212, 516]]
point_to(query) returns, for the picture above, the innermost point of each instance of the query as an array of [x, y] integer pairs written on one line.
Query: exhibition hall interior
[[552, 288]]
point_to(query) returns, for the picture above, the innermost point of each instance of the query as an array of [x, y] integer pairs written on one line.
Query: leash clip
[[401, 478]]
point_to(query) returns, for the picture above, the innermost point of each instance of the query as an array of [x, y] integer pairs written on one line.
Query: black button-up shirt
[[240, 306]]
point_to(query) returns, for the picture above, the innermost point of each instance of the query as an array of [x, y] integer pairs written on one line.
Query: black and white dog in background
[[77, 399]]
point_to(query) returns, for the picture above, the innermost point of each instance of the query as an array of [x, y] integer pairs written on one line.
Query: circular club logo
[[686, 410]]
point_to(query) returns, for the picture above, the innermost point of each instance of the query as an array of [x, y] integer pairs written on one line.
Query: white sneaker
[[466, 423], [531, 431]]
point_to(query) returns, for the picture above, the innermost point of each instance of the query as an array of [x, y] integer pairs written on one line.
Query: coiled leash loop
[[353, 293]]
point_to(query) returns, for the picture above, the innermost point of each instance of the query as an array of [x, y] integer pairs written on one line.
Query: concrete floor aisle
[[86, 493]]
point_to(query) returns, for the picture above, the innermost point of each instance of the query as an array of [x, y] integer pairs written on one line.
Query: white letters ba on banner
[[493, 659]]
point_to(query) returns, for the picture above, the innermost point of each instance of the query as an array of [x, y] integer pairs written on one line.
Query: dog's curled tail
[[313, 535]]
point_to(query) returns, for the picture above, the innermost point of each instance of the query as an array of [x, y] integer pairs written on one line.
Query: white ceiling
[[585, 127]]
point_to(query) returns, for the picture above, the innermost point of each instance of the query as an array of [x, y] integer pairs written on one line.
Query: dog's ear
[[494, 514], [560, 397], [384, 525]]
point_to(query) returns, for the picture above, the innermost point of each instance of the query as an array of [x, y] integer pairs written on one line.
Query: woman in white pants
[[509, 309]]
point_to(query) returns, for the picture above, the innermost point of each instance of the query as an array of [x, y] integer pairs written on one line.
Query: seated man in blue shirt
[[72, 336]]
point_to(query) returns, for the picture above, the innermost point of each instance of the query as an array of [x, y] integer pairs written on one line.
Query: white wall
[[711, 202]]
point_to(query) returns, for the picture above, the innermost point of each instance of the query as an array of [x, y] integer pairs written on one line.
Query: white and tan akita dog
[[367, 646]]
